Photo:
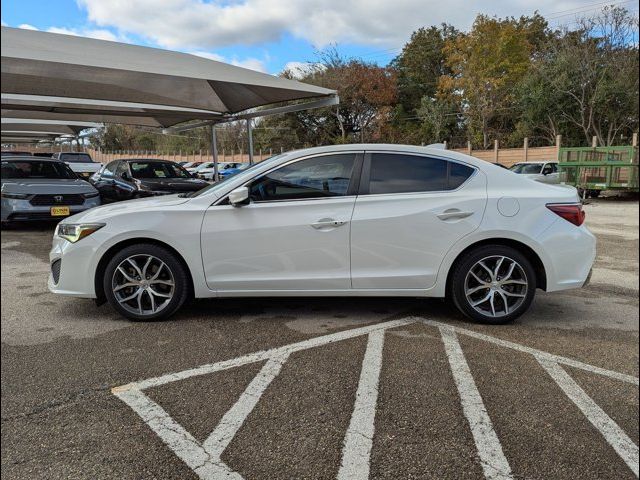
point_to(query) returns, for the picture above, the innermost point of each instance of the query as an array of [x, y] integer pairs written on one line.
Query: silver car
[[42, 189], [544, 172]]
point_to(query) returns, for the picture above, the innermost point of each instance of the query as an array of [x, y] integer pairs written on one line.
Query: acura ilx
[[348, 220]]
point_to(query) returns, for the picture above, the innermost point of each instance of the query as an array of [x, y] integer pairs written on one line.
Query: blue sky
[[270, 35]]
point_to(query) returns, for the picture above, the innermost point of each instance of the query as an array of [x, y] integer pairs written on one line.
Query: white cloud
[[200, 24], [250, 63], [100, 34]]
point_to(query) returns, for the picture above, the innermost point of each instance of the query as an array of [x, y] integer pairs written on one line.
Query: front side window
[[317, 177], [157, 170], [401, 173], [34, 169], [109, 169]]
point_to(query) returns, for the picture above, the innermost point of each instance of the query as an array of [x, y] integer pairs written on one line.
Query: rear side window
[[400, 173]]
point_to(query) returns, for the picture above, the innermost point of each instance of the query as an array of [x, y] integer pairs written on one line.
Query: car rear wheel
[[146, 282], [493, 284]]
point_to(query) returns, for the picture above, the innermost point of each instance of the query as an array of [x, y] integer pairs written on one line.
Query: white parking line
[[231, 422], [494, 463], [609, 429], [538, 353], [358, 441], [205, 459]]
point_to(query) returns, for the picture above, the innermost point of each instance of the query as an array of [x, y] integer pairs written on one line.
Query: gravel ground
[[439, 398]]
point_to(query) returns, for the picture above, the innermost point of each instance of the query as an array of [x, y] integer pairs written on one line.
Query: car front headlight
[[73, 232], [15, 196]]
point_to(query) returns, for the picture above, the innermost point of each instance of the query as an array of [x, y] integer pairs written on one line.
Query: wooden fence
[[504, 156]]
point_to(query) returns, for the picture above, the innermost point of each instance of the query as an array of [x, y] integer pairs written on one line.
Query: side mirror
[[239, 197]]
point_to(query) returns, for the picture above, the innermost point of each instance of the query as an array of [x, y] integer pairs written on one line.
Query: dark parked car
[[133, 178]]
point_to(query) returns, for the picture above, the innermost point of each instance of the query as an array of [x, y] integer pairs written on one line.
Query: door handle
[[453, 213], [327, 223]]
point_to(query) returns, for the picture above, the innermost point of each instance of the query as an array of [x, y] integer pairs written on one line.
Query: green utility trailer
[[594, 169]]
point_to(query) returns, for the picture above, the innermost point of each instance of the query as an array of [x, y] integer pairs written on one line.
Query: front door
[[293, 236], [410, 211]]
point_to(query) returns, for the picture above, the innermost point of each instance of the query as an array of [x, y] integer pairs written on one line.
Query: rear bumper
[[571, 253]]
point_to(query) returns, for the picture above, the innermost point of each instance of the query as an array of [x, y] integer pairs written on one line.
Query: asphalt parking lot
[[323, 388]]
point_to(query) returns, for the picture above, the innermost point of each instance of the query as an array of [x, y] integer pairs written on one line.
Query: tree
[[367, 95], [487, 63], [586, 83]]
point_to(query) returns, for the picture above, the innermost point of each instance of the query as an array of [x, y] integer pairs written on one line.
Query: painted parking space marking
[[359, 438], [205, 458], [494, 464], [613, 434]]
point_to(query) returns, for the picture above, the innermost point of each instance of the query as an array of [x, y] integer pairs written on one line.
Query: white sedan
[[349, 220]]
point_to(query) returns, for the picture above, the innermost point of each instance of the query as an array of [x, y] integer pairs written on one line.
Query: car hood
[[173, 184], [99, 214], [46, 186]]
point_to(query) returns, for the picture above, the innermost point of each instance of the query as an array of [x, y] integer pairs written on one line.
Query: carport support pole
[[250, 138], [214, 152]]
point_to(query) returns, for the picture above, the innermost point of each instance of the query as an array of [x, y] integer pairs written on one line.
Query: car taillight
[[570, 212]]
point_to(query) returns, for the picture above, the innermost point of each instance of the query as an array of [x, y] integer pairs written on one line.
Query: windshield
[[158, 170], [526, 168], [203, 166], [35, 169], [246, 173], [76, 157]]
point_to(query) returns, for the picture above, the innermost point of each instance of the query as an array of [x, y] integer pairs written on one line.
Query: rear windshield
[[76, 157], [25, 169], [526, 168], [158, 170]]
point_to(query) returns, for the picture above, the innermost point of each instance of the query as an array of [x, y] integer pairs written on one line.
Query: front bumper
[[21, 210], [75, 274]]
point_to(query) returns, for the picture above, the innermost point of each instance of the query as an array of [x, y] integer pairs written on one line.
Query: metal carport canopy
[[49, 127], [79, 71]]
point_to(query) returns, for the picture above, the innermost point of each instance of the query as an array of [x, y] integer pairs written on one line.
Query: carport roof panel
[[78, 109], [41, 63], [28, 126]]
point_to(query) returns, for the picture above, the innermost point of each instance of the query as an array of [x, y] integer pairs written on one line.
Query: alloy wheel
[[143, 284], [496, 286]]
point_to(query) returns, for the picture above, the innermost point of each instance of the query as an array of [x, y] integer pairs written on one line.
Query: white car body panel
[[393, 246], [273, 246], [398, 241]]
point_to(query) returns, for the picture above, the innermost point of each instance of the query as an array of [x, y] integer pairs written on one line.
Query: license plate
[[60, 211]]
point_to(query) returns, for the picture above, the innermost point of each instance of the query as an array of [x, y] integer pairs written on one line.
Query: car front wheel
[[146, 282], [493, 284]]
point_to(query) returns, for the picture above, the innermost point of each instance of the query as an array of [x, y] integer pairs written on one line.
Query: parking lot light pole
[[214, 152], [250, 137]]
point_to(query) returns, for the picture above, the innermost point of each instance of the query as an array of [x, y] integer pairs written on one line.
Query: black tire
[[470, 260], [174, 267]]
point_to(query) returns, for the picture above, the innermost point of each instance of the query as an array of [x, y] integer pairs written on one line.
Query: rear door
[[410, 210]]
